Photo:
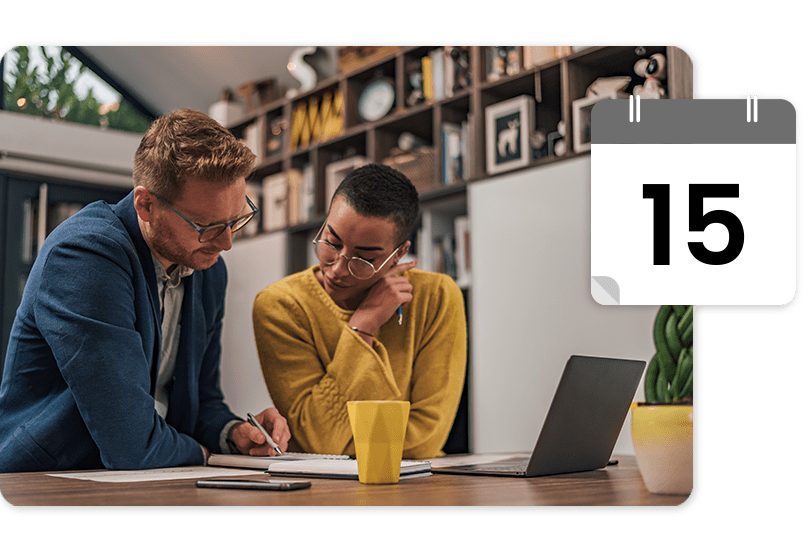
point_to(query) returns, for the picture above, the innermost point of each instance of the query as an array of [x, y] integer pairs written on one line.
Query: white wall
[[252, 265], [531, 302]]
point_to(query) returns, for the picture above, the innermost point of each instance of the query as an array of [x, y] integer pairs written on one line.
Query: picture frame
[[581, 119], [275, 202], [508, 126], [335, 172]]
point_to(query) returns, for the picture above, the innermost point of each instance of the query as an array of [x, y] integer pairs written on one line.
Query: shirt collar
[[172, 278]]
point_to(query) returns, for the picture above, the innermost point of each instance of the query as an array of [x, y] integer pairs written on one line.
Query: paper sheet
[[162, 474]]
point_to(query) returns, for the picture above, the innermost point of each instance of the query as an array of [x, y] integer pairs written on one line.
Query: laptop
[[583, 422]]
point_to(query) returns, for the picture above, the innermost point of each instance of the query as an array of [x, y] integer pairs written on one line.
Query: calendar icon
[[693, 202]]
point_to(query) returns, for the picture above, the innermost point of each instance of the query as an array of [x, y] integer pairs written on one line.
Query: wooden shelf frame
[[554, 84]]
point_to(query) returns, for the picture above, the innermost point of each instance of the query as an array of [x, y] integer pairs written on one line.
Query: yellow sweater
[[313, 363]]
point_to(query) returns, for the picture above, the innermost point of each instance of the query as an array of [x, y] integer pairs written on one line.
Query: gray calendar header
[[693, 121]]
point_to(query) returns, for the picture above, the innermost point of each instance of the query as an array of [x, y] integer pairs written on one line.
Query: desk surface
[[617, 485]]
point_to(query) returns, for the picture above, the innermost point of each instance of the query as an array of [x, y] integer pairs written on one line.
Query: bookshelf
[[301, 137], [422, 129]]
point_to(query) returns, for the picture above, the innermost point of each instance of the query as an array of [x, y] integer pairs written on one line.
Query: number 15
[[698, 221]]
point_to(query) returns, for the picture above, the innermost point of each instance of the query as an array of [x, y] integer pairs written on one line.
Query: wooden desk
[[618, 485]]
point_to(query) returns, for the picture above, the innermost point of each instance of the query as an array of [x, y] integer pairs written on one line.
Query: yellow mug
[[379, 428]]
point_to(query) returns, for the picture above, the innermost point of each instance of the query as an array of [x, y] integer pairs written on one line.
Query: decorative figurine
[[654, 70], [415, 72], [462, 68], [306, 65]]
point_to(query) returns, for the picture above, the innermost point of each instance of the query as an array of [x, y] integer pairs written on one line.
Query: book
[[254, 138], [428, 82], [438, 76], [262, 462], [452, 155], [295, 179], [275, 202], [340, 468], [465, 132], [307, 205], [294, 183], [448, 68], [537, 55], [444, 261]]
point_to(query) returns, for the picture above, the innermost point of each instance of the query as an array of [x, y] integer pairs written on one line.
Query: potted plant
[[661, 427]]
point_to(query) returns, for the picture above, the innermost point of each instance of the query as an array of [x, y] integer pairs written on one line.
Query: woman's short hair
[[380, 191]]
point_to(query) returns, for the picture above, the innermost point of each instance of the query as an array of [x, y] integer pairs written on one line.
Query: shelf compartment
[[418, 122], [356, 84], [591, 64]]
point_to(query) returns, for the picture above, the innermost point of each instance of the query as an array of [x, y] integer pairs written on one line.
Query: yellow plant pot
[[662, 440]]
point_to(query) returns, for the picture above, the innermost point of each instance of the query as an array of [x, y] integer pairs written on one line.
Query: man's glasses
[[359, 268], [209, 233]]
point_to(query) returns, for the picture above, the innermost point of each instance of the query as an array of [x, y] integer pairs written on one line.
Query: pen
[[254, 422], [400, 314]]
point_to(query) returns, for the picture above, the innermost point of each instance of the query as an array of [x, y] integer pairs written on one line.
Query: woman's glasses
[[359, 268]]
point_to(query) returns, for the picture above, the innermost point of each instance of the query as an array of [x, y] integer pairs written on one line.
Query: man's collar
[[173, 274]]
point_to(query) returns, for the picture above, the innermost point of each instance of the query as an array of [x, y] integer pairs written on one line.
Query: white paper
[[162, 474]]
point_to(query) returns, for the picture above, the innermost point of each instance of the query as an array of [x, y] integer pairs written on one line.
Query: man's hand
[[250, 440], [383, 299]]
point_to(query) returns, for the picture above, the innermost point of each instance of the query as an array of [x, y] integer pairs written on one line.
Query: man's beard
[[165, 245]]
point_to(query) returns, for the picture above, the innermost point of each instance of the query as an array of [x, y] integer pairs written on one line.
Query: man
[[113, 358], [331, 333]]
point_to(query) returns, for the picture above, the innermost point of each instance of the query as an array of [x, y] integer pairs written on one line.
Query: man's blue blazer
[[77, 390]]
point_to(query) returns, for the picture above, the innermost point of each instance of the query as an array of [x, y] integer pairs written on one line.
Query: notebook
[[583, 422], [262, 462], [340, 468], [295, 464]]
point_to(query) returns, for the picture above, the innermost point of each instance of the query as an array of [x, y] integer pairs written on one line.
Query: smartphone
[[252, 485]]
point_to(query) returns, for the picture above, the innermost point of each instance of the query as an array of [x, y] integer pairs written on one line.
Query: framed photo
[[581, 119], [275, 202], [507, 133], [335, 172]]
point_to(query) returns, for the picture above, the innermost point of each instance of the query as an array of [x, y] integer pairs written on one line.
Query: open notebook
[[262, 462], [340, 468], [312, 465]]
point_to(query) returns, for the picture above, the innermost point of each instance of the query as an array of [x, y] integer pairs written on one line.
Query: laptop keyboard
[[515, 465], [506, 468]]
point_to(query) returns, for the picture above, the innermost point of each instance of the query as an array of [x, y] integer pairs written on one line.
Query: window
[[50, 81]]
